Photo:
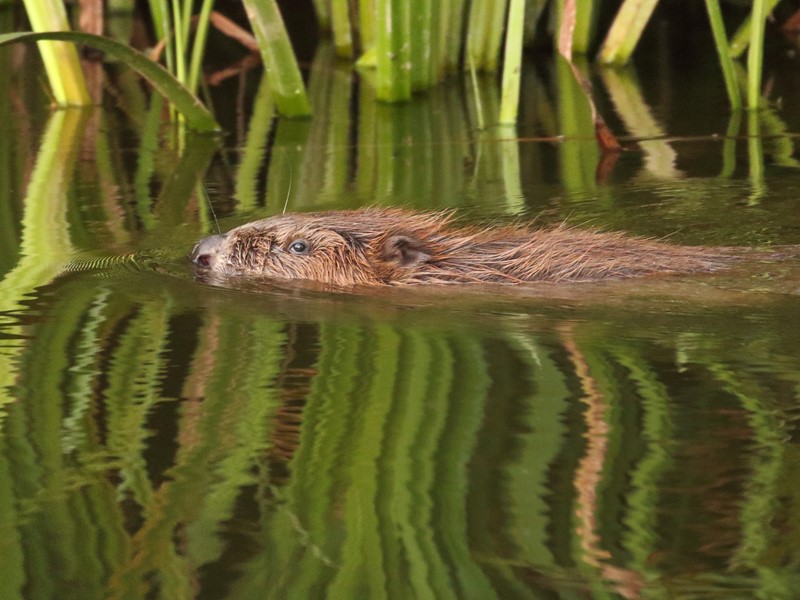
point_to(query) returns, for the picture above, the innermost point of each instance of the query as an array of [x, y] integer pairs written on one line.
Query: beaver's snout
[[205, 251]]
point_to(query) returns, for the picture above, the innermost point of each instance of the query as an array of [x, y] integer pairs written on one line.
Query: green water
[[165, 438]]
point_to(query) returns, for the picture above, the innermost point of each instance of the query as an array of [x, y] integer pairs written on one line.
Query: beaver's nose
[[205, 250]]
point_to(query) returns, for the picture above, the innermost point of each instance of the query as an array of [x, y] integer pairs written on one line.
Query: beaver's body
[[396, 247]]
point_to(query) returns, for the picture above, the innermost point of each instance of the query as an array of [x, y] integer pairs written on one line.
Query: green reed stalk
[[723, 50], [476, 33], [585, 25], [278, 56], [322, 8], [342, 29], [494, 39], [455, 34], [741, 39], [440, 28], [420, 41], [197, 117], [755, 54], [366, 23], [162, 23], [392, 78], [512, 63], [60, 59], [199, 45], [485, 31], [178, 42], [625, 31]]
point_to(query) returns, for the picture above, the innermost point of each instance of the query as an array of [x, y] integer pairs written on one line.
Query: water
[[162, 437]]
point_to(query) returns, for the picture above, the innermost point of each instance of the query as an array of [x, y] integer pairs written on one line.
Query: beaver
[[388, 246]]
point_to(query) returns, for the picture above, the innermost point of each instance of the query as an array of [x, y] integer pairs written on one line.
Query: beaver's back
[[396, 247]]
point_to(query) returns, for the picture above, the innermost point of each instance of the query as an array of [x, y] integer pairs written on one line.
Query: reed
[[755, 54], [60, 59], [585, 26], [724, 52], [412, 44], [421, 24], [393, 78], [199, 46], [625, 31], [278, 56], [741, 39], [196, 115], [512, 63], [484, 33], [342, 30], [366, 24]]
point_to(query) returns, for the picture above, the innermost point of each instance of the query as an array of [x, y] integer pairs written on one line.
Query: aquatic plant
[[411, 45]]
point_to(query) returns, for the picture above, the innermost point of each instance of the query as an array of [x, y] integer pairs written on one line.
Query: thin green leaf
[[196, 115], [723, 50]]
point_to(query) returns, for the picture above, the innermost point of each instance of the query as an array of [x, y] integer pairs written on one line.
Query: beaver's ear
[[404, 251]]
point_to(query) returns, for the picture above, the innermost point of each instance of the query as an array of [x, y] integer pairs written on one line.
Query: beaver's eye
[[298, 247]]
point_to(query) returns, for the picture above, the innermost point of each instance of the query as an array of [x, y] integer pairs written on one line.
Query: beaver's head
[[371, 246]]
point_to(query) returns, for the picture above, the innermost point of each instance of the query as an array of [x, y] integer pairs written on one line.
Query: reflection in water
[[171, 445]]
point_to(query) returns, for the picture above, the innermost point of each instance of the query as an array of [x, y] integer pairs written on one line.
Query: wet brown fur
[[397, 247]]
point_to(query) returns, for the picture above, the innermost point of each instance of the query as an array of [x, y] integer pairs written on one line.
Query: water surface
[[162, 437]]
